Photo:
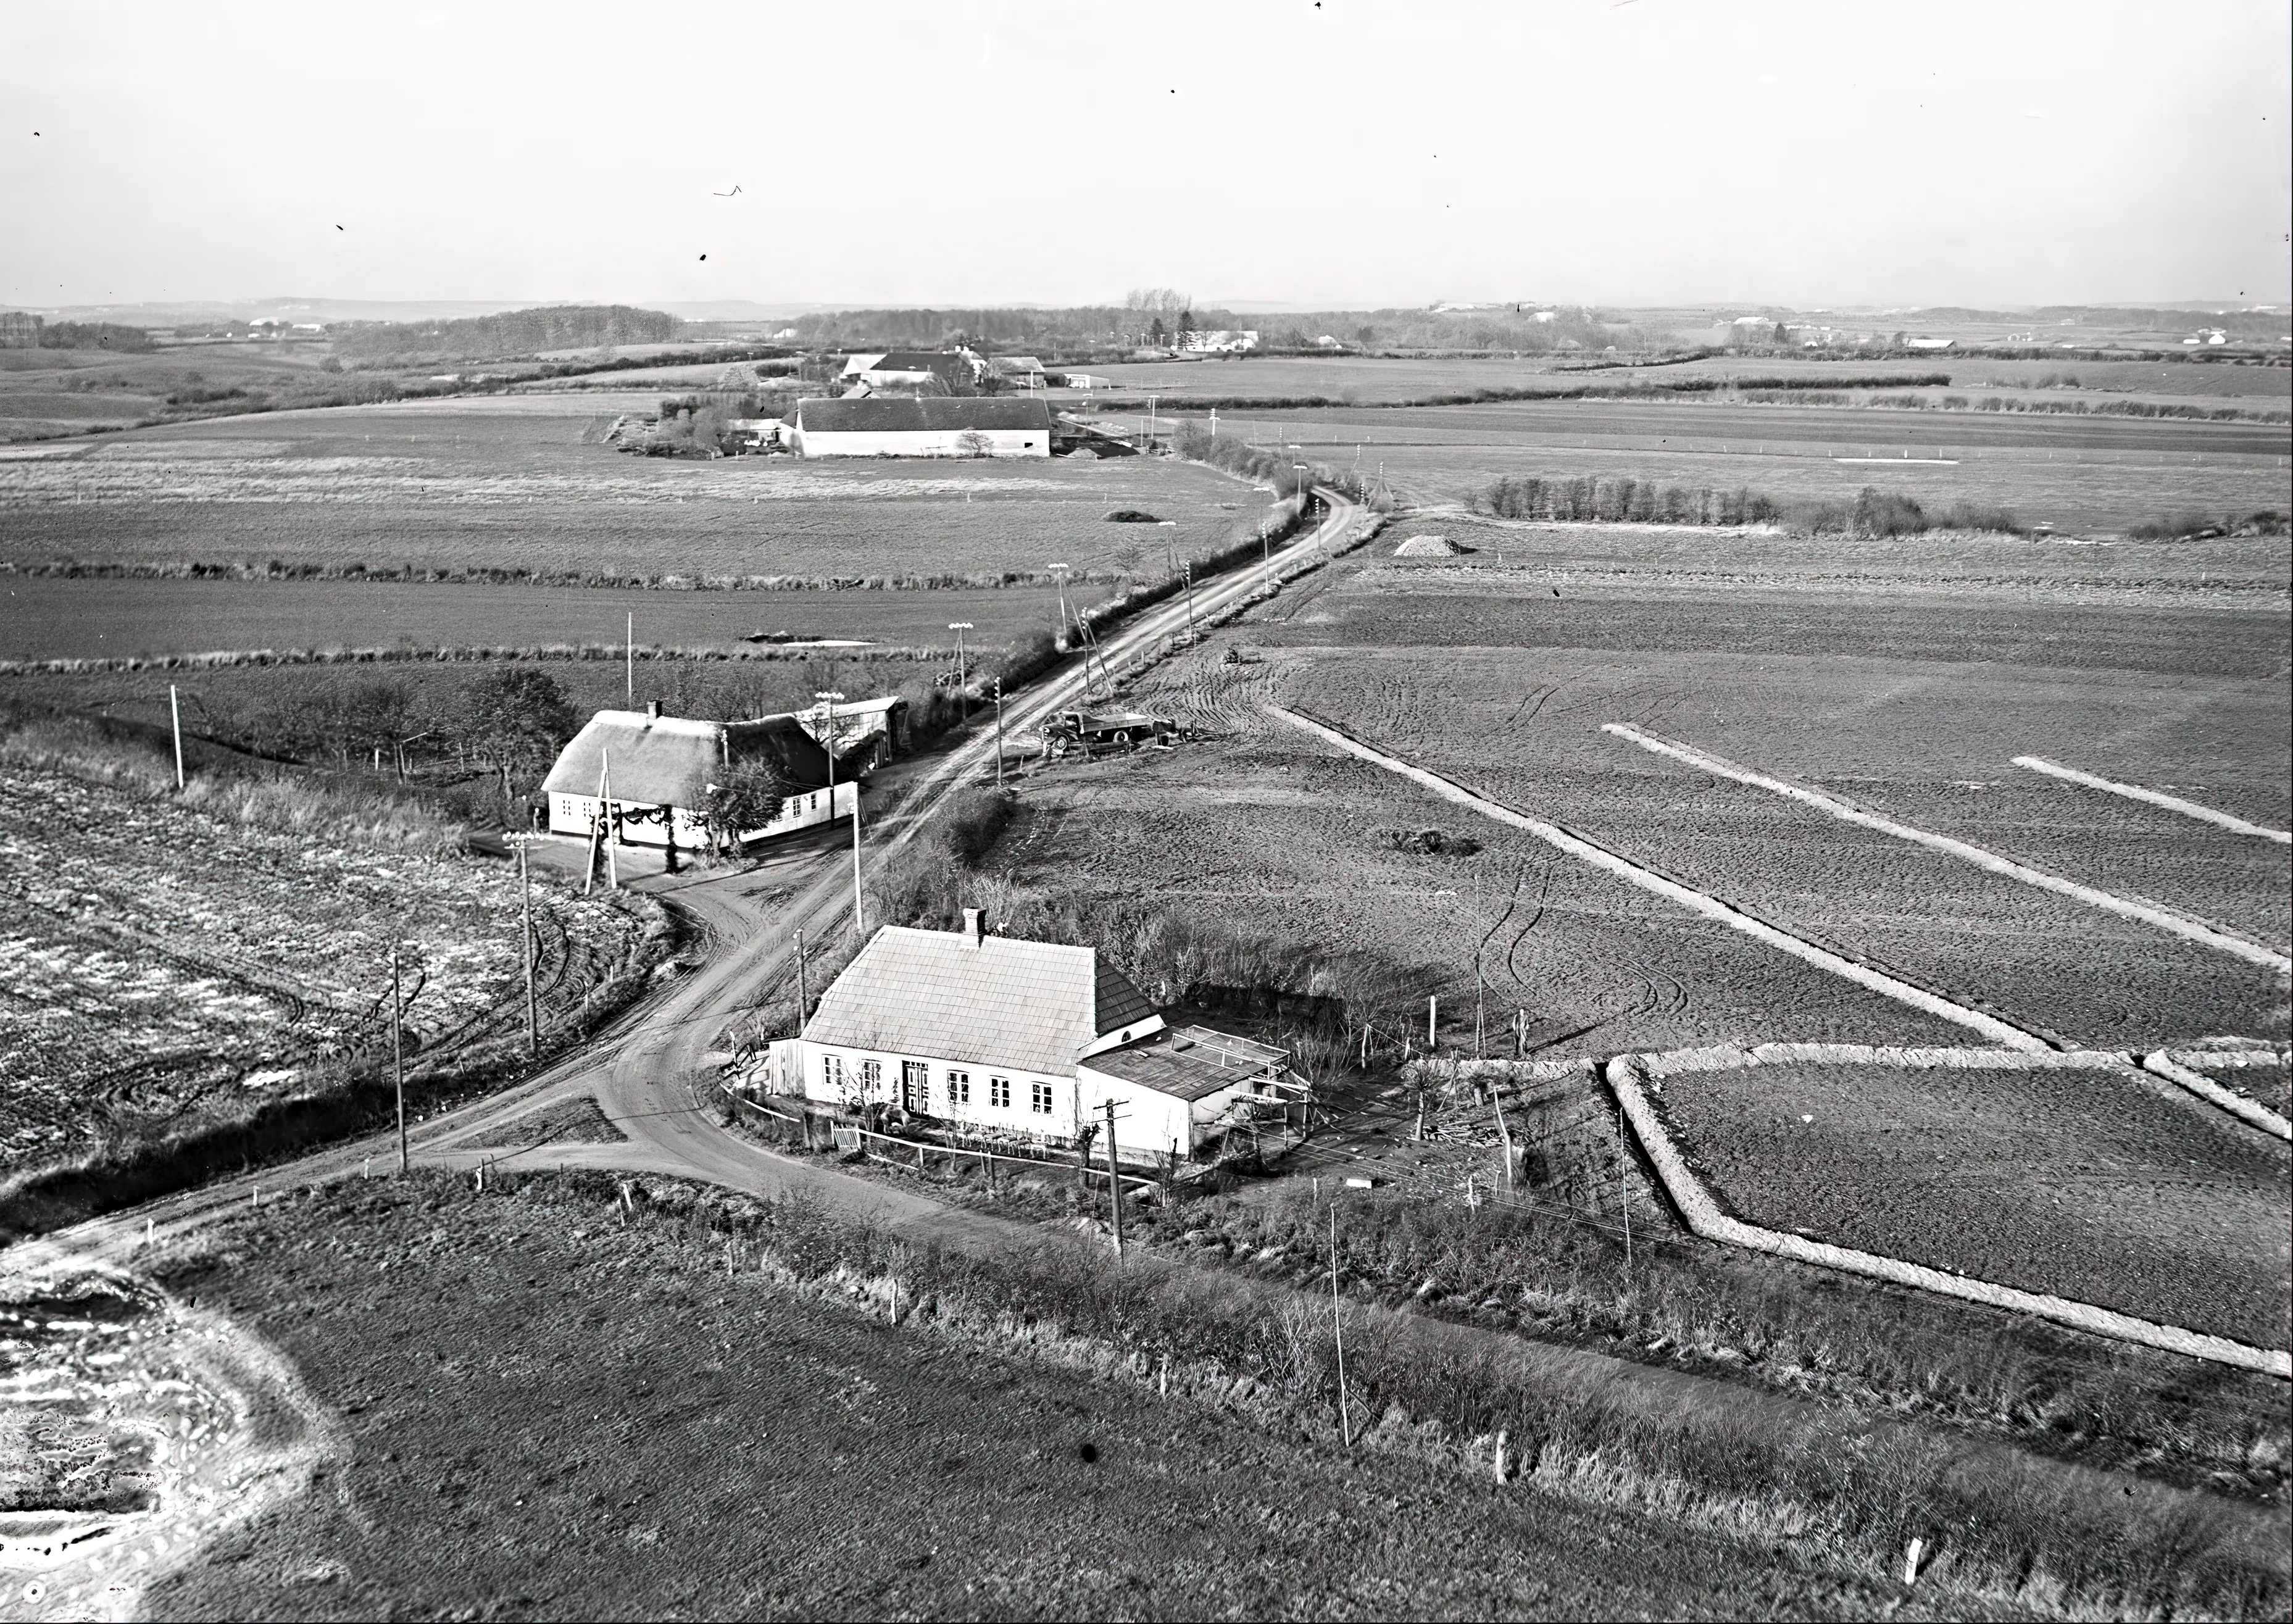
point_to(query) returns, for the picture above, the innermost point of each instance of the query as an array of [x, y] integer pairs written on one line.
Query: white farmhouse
[[968, 426], [1027, 1041], [643, 778]]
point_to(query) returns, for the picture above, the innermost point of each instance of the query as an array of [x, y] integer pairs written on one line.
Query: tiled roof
[[888, 414], [1188, 1063], [1031, 1006], [669, 760]]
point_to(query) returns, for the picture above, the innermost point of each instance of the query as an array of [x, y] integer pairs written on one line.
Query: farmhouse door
[[915, 1088]]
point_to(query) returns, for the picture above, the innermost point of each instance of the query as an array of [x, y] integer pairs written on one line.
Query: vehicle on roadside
[[1089, 730]]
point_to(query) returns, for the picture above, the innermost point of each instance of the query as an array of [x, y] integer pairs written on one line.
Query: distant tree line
[[1874, 513], [516, 332], [20, 329]]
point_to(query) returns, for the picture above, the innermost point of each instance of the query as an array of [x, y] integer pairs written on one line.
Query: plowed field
[[2099, 1186], [156, 961]]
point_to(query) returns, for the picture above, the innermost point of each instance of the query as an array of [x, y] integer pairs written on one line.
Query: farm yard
[[170, 964], [2102, 1186]]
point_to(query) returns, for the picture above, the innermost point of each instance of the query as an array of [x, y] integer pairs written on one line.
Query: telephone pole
[[803, 993], [859, 912], [962, 670], [1114, 1180], [828, 742], [175, 716], [525, 908], [630, 659], [1190, 597], [397, 1059], [998, 733], [1059, 572]]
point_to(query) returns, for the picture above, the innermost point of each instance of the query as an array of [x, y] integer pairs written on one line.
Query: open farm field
[[1375, 380], [2105, 1187], [1265, 830], [520, 483], [1910, 700], [55, 617], [2079, 474], [168, 961], [512, 1431]]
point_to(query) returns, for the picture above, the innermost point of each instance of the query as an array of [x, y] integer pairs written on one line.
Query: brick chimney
[[975, 927]]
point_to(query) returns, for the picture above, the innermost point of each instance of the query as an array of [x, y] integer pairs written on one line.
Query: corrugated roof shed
[[888, 414], [1031, 1006], [1189, 1063], [670, 760]]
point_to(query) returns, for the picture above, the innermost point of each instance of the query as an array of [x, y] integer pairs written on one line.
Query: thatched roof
[[670, 760]]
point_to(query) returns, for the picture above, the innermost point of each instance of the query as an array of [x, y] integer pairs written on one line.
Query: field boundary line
[[2172, 803], [2147, 914], [2163, 1065], [1697, 902], [1705, 1218]]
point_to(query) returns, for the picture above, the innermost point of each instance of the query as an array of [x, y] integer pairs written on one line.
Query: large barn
[[1027, 1041], [645, 777], [977, 426]]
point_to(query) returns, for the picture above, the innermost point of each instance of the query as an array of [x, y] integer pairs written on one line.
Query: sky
[[1340, 155]]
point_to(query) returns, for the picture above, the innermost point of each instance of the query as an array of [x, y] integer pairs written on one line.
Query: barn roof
[[990, 1000], [917, 360], [884, 414], [670, 760]]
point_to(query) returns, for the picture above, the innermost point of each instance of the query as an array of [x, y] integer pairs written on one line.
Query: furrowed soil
[[1906, 700], [519, 1437], [2103, 1187], [167, 965]]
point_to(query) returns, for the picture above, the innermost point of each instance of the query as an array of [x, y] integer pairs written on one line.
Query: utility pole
[[1060, 573], [962, 670], [1265, 557], [1338, 1324], [397, 1059], [1150, 426], [630, 659], [803, 993], [1190, 597], [175, 716], [998, 733], [1114, 1180], [1213, 422], [828, 742], [525, 888], [859, 913]]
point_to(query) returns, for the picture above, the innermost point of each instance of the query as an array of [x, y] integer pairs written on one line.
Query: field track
[[2172, 803], [1696, 901], [2147, 914]]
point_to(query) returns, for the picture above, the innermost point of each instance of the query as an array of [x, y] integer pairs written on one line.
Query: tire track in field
[[1698, 902], [2156, 914]]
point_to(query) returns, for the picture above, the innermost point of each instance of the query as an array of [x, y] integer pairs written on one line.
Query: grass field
[[517, 1437], [2103, 1187], [1372, 380], [520, 482], [2083, 475]]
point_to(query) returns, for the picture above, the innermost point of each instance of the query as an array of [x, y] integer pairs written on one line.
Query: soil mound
[[1428, 547]]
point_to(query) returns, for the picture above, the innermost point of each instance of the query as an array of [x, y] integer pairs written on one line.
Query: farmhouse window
[[1039, 1098], [999, 1092], [958, 1088], [832, 1072], [872, 1078], [915, 1086]]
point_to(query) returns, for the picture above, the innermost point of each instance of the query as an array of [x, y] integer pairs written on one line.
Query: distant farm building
[[1218, 341], [644, 779], [1088, 380], [1928, 344], [920, 369], [982, 426], [864, 734], [1027, 1041]]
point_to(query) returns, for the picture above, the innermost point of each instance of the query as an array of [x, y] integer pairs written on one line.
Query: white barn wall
[[925, 442], [806, 809]]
